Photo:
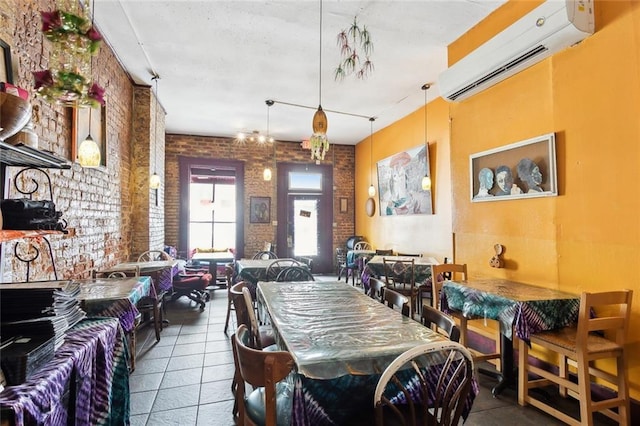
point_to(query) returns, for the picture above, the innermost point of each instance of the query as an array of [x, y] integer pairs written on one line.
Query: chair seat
[[266, 336], [255, 408], [565, 339]]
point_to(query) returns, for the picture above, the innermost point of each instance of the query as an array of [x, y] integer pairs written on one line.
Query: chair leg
[[157, 320], [226, 322], [523, 372], [584, 390]]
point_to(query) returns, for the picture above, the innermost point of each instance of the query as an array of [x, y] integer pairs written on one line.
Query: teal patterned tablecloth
[[527, 309]]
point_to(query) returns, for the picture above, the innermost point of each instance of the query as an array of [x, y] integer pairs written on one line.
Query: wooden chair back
[[399, 273], [153, 255], [394, 300], [439, 321], [384, 252], [376, 289], [260, 369], [457, 271]]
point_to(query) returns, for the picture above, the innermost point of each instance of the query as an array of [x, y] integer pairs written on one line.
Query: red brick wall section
[[256, 158], [96, 202]]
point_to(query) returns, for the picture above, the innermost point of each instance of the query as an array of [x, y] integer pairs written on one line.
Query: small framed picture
[[344, 205], [6, 72], [260, 210], [89, 121]]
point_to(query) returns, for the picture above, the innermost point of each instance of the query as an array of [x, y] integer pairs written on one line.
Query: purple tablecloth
[[86, 383]]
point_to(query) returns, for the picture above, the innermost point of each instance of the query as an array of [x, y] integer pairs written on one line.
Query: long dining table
[[341, 340], [525, 308]]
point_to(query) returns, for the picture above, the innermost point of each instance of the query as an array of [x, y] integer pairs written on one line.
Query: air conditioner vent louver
[[503, 69], [549, 28]]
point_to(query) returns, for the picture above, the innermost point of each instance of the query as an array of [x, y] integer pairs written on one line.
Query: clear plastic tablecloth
[[332, 329]]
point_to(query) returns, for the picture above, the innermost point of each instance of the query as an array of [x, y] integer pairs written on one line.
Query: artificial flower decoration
[[75, 40], [319, 144]]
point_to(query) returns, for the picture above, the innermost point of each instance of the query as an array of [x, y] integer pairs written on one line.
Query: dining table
[[524, 308], [86, 382], [161, 271], [213, 259], [252, 271], [375, 267], [115, 297], [339, 353]]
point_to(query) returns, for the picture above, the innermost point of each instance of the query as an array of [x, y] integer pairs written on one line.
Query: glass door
[[303, 226]]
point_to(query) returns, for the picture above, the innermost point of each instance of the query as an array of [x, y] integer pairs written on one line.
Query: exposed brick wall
[[97, 203], [256, 158]]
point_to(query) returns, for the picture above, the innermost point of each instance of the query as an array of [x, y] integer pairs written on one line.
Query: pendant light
[[89, 155], [154, 180], [372, 189], [266, 174], [319, 142], [426, 180], [88, 151]]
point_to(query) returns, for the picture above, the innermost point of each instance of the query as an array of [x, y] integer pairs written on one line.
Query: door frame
[[324, 261], [186, 164]]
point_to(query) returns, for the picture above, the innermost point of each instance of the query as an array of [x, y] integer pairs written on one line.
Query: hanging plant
[[356, 48]]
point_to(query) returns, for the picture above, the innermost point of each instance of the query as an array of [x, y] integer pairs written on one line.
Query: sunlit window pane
[[305, 221], [309, 181]]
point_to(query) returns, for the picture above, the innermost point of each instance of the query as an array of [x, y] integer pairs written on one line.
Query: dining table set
[[339, 353]]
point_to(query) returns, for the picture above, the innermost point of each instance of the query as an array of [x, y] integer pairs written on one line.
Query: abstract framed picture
[[400, 183], [524, 169], [260, 210]]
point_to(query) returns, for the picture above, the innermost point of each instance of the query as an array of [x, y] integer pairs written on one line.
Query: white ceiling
[[218, 61]]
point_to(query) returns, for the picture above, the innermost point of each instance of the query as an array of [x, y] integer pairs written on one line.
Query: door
[[305, 206]]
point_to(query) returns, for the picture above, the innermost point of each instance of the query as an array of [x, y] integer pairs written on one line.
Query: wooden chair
[[393, 299], [384, 252], [277, 266], [439, 321], [410, 254], [603, 336], [262, 370], [243, 305], [459, 271], [437, 401], [265, 254], [154, 255], [400, 276], [295, 273], [376, 289]]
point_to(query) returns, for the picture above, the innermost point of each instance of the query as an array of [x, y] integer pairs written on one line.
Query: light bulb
[[372, 191], [426, 183], [266, 174], [154, 181], [89, 153]]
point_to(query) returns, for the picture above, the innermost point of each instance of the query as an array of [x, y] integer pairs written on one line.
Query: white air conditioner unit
[[549, 28]]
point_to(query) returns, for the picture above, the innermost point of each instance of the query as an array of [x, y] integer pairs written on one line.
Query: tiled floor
[[185, 379]]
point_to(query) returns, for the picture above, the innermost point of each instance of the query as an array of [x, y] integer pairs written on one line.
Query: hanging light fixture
[[426, 180], [318, 141], [88, 151], [372, 189], [266, 174], [154, 180]]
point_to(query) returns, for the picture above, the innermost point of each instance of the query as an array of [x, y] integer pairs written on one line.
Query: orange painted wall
[[586, 238], [427, 234]]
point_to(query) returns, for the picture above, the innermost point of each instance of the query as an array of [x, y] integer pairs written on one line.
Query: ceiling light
[[266, 174], [372, 189]]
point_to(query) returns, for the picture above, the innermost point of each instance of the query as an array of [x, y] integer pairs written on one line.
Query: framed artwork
[[524, 169], [6, 71], [85, 121], [344, 205], [400, 183], [260, 210]]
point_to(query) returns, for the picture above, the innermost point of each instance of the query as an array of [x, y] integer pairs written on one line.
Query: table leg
[[508, 376]]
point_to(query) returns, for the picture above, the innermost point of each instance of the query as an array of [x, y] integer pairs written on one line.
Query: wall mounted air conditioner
[[549, 28]]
